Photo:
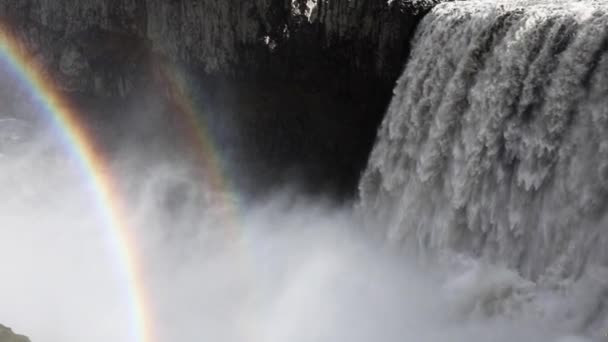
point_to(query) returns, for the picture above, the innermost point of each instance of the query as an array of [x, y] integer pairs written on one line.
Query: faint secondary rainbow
[[213, 174], [206, 155], [209, 165], [97, 169], [210, 170]]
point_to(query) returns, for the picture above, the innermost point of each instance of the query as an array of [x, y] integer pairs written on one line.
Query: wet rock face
[[7, 335], [332, 62]]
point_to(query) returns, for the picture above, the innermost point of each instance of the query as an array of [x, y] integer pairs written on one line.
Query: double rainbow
[[80, 141], [96, 167]]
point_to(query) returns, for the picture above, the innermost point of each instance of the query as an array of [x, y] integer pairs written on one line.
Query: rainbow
[[90, 156], [209, 166], [211, 170], [207, 160]]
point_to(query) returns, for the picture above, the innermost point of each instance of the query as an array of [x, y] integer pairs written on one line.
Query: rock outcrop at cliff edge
[[7, 335], [222, 36]]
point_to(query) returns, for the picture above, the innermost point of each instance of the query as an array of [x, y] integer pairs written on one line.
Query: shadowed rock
[[298, 87]]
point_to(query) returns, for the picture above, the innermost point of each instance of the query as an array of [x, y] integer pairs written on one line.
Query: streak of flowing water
[[495, 145]]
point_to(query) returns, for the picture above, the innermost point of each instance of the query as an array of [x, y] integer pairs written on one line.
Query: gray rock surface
[[222, 36], [7, 335]]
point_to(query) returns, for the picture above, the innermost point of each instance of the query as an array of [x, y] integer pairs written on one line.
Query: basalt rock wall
[[302, 85]]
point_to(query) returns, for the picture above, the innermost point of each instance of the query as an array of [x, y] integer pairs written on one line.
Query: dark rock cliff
[[297, 87]]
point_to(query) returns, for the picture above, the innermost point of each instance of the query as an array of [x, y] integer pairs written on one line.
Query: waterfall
[[495, 144]]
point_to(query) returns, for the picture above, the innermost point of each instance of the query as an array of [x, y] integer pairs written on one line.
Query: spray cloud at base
[[285, 268]]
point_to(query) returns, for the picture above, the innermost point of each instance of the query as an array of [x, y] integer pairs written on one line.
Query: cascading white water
[[496, 141]]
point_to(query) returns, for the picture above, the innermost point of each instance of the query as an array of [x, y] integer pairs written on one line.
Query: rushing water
[[495, 144]]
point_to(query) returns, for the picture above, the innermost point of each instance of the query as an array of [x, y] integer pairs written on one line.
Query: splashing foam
[[283, 270], [294, 272]]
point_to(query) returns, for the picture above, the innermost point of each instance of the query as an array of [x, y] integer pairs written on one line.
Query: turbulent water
[[495, 144]]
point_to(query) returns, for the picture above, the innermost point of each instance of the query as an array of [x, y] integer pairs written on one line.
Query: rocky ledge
[[7, 335]]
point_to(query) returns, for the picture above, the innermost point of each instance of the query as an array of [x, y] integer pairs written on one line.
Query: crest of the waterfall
[[496, 141]]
